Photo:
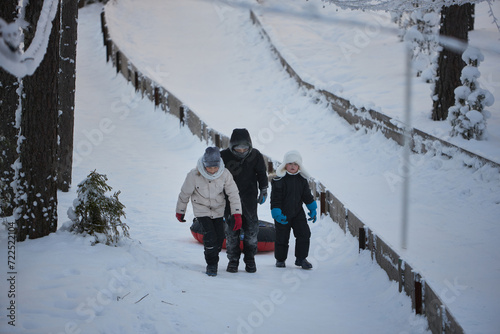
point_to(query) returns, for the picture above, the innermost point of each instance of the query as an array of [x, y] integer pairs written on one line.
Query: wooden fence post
[[401, 271], [270, 167], [362, 238], [418, 295], [104, 28], [118, 61], [157, 97], [217, 140], [109, 50], [136, 81], [181, 115], [322, 203]]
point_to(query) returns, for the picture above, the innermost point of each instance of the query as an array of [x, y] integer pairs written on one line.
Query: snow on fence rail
[[424, 300]]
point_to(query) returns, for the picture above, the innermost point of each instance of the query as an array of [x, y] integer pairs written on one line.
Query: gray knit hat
[[211, 158]]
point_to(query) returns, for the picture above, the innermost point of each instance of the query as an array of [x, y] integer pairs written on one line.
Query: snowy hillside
[[156, 283], [216, 62], [213, 59]]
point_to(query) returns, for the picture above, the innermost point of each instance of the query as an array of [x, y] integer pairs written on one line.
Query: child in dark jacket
[[290, 190]]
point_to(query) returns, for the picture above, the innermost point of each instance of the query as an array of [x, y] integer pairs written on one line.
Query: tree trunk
[[9, 101], [455, 21], [67, 76], [472, 15], [36, 212]]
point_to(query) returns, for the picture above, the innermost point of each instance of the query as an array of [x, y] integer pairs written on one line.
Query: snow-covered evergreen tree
[[421, 33], [96, 214], [468, 115]]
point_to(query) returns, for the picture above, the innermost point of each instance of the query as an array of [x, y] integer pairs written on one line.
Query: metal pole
[[406, 151]]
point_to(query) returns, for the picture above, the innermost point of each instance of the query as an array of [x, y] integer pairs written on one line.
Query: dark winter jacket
[[289, 193], [249, 171]]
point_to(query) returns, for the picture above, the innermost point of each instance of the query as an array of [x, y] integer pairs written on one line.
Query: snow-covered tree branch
[[13, 58], [492, 15]]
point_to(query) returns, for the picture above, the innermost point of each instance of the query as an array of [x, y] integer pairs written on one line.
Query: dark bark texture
[[67, 77], [9, 101], [36, 212], [455, 22]]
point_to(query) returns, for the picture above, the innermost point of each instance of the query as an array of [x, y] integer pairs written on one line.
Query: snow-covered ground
[[212, 58]]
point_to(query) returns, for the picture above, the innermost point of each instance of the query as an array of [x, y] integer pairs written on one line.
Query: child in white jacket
[[207, 185]]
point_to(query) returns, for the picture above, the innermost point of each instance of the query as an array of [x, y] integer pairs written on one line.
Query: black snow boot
[[303, 263], [250, 266], [280, 264], [212, 270], [232, 267]]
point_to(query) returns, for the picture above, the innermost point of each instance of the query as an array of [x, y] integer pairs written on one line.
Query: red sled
[[265, 238]]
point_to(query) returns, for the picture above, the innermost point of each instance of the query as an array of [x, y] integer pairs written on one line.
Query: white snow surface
[[213, 59]]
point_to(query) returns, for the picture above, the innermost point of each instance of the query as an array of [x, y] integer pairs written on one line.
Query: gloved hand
[[278, 216], [180, 217], [312, 211], [237, 222], [262, 196]]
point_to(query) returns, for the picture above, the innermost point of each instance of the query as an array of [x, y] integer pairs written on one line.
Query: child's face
[[292, 168], [212, 170]]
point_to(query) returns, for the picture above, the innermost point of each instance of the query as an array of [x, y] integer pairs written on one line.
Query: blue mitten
[[312, 210], [278, 216]]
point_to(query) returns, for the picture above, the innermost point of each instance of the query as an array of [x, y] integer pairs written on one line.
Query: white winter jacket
[[207, 193]]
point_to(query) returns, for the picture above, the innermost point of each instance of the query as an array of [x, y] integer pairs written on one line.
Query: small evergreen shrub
[[468, 115], [96, 214]]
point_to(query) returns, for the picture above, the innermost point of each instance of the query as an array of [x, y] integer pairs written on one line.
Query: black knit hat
[[211, 158]]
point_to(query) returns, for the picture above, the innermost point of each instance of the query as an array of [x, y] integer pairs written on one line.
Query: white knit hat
[[290, 157]]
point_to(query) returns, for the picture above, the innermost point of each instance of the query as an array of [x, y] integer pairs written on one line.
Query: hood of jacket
[[290, 157], [201, 168], [240, 137]]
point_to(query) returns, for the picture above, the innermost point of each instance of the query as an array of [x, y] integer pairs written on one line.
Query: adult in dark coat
[[249, 171]]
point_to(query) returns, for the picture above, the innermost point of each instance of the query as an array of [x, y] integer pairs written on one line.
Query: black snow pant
[[249, 230], [213, 238], [302, 235]]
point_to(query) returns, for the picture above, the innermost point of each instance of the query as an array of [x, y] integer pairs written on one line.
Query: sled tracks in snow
[[424, 300]]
